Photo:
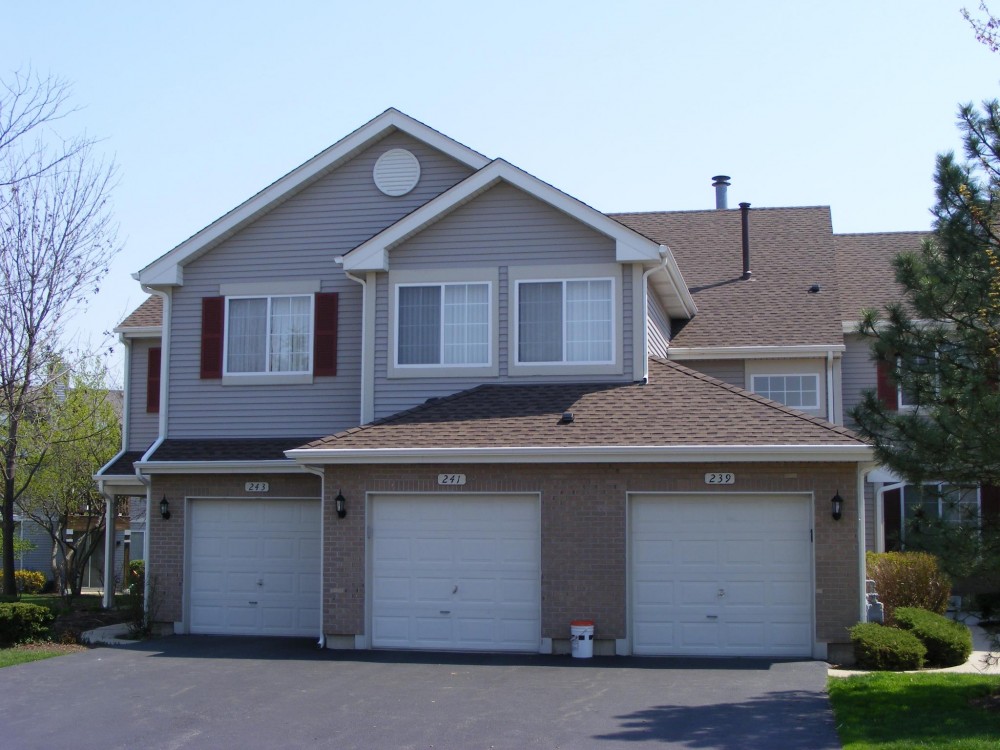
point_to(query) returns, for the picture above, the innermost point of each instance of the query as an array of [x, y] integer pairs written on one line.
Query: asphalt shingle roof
[[790, 250], [678, 406], [123, 465], [227, 449], [864, 269], [146, 315]]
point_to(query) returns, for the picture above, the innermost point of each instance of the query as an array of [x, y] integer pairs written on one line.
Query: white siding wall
[[143, 427], [296, 241], [659, 325], [732, 371], [859, 373]]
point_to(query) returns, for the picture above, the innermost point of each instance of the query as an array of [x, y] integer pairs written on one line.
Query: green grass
[[11, 656], [891, 711]]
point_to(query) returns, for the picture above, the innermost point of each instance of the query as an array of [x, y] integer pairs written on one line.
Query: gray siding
[[143, 426], [732, 371], [870, 539], [503, 227], [858, 373], [40, 558], [659, 326], [296, 241]]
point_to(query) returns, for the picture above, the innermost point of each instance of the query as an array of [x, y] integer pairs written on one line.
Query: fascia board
[[140, 332], [166, 269], [278, 466], [753, 352], [590, 454], [630, 246], [122, 481]]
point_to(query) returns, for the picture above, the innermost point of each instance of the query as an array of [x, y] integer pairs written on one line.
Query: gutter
[[751, 352], [587, 454]]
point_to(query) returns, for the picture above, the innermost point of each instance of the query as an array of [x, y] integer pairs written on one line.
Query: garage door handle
[[445, 611], [712, 617]]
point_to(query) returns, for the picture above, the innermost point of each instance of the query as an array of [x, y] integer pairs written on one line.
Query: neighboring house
[[411, 397]]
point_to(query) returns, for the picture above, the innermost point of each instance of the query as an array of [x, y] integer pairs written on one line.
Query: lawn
[[893, 711], [23, 654]]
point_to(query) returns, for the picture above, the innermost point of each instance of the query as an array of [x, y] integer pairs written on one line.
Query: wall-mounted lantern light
[[165, 508], [340, 503], [838, 506]]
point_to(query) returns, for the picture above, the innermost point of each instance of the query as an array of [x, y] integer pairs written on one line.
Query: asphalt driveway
[[215, 692]]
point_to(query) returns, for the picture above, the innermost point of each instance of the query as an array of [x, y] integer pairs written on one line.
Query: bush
[[908, 579], [883, 648], [948, 643], [28, 581], [135, 578], [20, 622]]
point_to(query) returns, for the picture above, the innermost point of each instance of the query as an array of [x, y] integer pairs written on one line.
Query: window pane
[[588, 321], [247, 335], [419, 325], [539, 322], [466, 324], [290, 334]]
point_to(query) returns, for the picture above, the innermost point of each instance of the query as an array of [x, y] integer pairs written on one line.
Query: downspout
[[664, 255], [862, 564], [364, 336], [830, 416], [108, 599], [167, 298], [321, 473]]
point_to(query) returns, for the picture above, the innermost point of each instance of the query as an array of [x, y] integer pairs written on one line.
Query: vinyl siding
[[296, 241], [505, 226], [143, 427], [732, 371], [659, 326], [871, 541], [40, 558], [858, 369]]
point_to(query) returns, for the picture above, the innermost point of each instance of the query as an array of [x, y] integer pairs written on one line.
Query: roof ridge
[[819, 422], [662, 212]]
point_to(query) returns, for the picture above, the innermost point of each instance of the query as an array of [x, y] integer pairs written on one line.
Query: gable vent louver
[[396, 172]]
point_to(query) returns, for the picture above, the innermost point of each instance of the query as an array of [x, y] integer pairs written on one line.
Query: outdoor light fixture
[[164, 508], [838, 506], [340, 503]]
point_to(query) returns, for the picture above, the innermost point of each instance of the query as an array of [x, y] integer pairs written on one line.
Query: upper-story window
[[269, 334], [443, 324], [566, 321], [797, 391]]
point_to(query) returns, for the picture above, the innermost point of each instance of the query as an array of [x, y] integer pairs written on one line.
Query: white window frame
[[441, 343], [800, 407], [904, 518], [269, 376], [516, 316]]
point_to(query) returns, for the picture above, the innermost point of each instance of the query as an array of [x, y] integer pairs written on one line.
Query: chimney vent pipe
[[745, 220], [721, 183]]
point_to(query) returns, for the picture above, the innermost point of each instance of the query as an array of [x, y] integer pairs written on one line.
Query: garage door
[[721, 575], [456, 572], [255, 567]]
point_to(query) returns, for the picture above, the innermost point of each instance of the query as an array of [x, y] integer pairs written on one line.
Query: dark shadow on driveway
[[307, 649], [789, 720]]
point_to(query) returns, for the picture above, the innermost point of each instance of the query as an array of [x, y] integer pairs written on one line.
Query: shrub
[[883, 648], [135, 578], [28, 581], [20, 622], [948, 643], [908, 579]]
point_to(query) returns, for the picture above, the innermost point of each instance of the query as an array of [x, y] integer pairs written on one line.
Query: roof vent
[[814, 289], [396, 172], [721, 183], [745, 220], [567, 418]]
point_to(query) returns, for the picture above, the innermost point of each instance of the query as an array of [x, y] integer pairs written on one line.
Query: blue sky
[[625, 105]]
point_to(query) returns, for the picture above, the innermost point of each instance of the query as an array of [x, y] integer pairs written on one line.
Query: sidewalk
[[977, 662]]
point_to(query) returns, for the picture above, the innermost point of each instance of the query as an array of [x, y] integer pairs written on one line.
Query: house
[[411, 397]]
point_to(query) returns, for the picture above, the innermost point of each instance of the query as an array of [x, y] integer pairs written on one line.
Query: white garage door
[[255, 567], [721, 575], [456, 572]]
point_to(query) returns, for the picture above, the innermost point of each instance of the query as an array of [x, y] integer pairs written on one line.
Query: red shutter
[[325, 335], [153, 381], [213, 315], [886, 386]]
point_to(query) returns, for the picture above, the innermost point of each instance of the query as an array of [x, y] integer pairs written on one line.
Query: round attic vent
[[396, 172]]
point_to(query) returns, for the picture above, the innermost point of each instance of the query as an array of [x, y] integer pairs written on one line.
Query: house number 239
[[720, 477]]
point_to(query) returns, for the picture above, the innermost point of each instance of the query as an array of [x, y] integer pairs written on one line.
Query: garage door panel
[[753, 549], [461, 572], [255, 567]]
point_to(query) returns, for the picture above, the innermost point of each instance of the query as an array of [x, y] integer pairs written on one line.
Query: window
[[797, 391], [937, 502], [565, 321], [269, 334], [443, 324]]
